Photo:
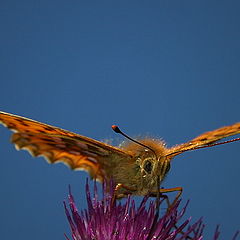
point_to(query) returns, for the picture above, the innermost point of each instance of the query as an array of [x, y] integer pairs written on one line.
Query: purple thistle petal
[[217, 233], [235, 235], [108, 219]]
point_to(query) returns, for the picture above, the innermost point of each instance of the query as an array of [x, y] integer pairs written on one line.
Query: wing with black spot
[[206, 139], [58, 145]]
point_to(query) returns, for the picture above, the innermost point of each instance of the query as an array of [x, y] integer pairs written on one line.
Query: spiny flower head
[[108, 219]]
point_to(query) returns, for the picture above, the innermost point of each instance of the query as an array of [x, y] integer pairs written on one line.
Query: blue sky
[[167, 69]]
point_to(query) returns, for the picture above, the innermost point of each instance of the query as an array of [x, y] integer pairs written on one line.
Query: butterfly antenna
[[206, 146], [116, 129]]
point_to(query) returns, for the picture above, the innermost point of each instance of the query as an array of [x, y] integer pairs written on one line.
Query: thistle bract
[[108, 219]]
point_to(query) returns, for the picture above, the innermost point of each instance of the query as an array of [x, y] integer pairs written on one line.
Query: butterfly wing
[[58, 145], [206, 139]]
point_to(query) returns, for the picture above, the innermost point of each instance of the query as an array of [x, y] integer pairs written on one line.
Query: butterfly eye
[[148, 166], [168, 167]]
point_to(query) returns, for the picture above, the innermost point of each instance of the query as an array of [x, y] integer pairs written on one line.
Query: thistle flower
[[108, 219]]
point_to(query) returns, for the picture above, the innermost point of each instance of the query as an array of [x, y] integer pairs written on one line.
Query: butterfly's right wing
[[206, 139], [58, 145]]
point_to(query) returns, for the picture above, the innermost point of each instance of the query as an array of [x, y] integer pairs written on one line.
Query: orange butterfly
[[137, 167]]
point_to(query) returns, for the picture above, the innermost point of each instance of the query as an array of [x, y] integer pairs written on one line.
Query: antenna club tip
[[116, 129]]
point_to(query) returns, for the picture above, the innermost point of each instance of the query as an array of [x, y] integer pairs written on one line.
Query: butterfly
[[137, 166]]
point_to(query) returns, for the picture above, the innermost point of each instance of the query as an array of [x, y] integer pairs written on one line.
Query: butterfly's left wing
[[58, 145], [206, 139]]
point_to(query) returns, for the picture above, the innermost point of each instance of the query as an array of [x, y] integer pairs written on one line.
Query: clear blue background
[[166, 69]]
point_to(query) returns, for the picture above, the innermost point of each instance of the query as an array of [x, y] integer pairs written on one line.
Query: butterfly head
[[150, 155], [150, 164]]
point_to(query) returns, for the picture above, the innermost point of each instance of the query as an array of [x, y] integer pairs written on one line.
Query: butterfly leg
[[117, 195], [167, 190], [121, 186]]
